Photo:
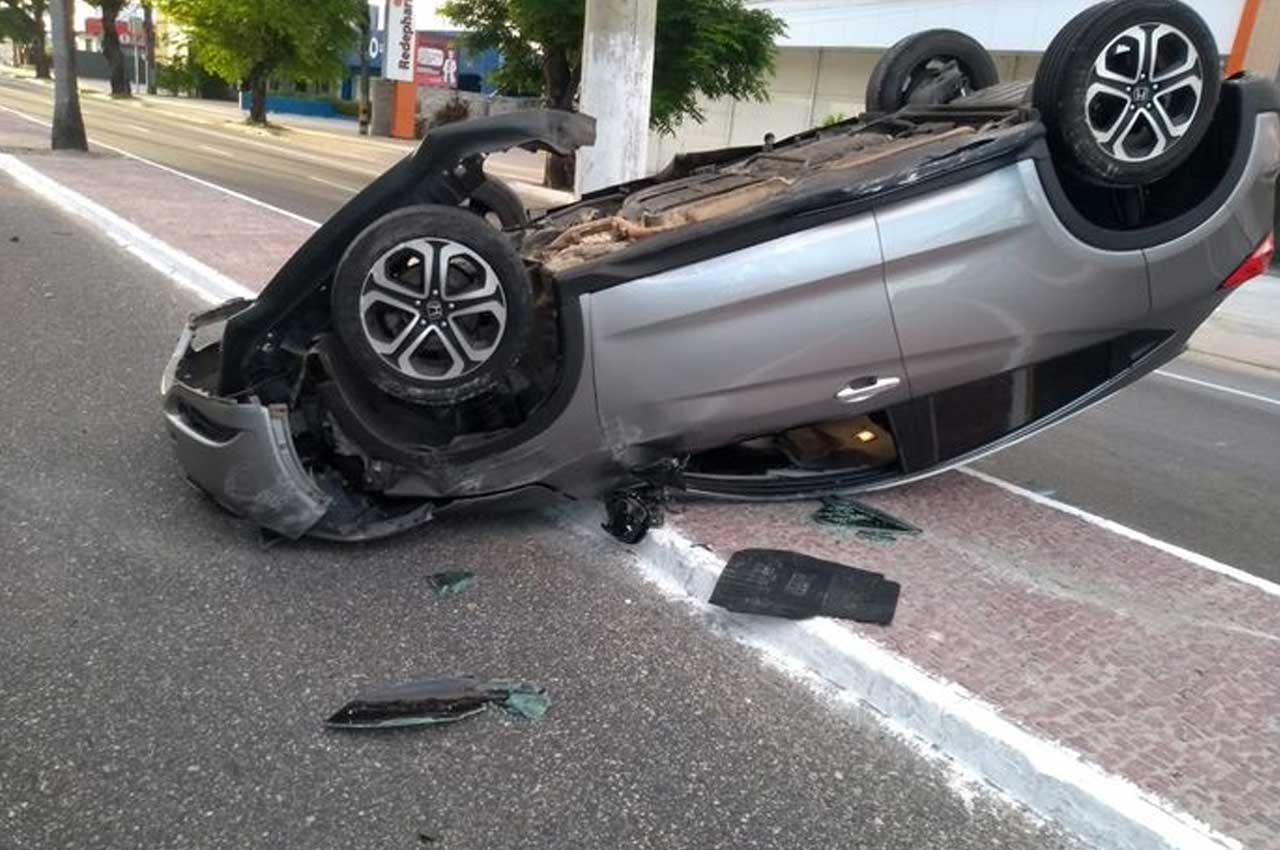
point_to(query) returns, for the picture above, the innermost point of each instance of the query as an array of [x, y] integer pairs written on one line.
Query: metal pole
[[133, 31]]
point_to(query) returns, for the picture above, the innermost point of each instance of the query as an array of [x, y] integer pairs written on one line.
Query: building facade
[[825, 59]]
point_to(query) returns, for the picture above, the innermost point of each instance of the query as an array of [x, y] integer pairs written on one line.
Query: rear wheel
[[1128, 89], [929, 68], [433, 306]]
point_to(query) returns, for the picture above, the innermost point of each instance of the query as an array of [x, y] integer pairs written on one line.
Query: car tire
[[1098, 90], [499, 204], [433, 306], [899, 78]]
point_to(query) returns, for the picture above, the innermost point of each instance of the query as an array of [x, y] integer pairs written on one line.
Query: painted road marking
[[1114, 527], [217, 151], [324, 182], [184, 175], [1219, 387], [139, 128]]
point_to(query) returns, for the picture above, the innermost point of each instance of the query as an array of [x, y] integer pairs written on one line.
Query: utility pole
[[68, 123]]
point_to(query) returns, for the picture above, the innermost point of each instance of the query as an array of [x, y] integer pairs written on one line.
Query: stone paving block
[[1158, 670], [242, 240]]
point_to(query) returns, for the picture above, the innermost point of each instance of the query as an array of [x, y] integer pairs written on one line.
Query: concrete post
[[617, 83]]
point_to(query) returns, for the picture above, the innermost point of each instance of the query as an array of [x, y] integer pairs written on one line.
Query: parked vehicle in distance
[[851, 308]]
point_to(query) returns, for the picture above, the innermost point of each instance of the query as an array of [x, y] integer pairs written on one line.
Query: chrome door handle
[[866, 389]]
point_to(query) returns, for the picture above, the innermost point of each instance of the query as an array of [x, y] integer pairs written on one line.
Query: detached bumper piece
[[242, 454]]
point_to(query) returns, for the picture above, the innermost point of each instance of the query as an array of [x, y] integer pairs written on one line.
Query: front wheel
[[434, 306], [1127, 90]]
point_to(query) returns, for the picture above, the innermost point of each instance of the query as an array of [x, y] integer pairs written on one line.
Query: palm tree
[[68, 123]]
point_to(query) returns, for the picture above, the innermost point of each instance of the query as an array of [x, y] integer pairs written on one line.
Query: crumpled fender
[[424, 177]]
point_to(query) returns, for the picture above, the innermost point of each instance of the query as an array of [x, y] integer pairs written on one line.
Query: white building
[[826, 57]]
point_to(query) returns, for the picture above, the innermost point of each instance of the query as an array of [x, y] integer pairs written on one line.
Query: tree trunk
[[111, 49], [39, 42], [68, 124], [560, 81], [258, 107], [149, 33], [365, 107]]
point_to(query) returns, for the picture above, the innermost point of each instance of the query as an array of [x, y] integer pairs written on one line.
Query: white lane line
[[184, 175], [216, 151], [139, 128], [1194, 558], [352, 189], [1219, 387], [183, 269], [1053, 780]]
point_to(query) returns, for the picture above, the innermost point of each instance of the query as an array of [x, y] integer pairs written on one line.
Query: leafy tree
[[712, 48], [22, 21], [111, 47], [252, 40], [68, 123]]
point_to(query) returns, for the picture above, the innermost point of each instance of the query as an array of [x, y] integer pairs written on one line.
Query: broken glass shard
[[848, 513], [451, 582], [431, 702], [793, 586]]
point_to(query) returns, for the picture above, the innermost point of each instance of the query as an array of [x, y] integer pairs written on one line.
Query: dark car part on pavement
[[929, 69], [1128, 89], [848, 513], [833, 312], [451, 582], [778, 583], [436, 701]]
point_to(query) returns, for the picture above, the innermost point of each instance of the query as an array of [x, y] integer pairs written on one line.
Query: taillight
[[1256, 264]]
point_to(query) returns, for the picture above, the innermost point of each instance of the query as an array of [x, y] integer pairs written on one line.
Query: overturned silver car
[[847, 309]]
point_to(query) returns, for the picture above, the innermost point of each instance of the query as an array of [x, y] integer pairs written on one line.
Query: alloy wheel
[[1144, 91], [433, 309]]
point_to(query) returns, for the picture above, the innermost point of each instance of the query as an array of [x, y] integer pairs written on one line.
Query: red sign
[[93, 26], [435, 62]]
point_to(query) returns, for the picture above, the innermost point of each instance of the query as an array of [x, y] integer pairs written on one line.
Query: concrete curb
[[1049, 779], [186, 271]]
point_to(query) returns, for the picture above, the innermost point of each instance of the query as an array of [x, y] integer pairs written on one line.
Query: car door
[[984, 279], [792, 331]]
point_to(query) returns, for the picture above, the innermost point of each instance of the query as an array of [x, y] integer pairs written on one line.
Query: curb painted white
[[1193, 558], [182, 269], [1052, 781]]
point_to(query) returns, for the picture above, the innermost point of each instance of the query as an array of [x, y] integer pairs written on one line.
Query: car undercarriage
[[850, 308]]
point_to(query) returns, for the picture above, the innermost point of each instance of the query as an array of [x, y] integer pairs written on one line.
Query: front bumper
[[239, 452]]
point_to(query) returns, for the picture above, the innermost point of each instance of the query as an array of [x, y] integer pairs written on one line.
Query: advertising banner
[[436, 62], [397, 60]]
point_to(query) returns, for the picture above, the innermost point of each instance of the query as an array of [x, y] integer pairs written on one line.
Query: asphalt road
[[163, 676], [1183, 462], [306, 171]]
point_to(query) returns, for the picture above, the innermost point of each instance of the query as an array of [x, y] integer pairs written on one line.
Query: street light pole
[[133, 33]]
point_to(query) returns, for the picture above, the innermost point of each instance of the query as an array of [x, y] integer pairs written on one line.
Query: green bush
[[350, 108]]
